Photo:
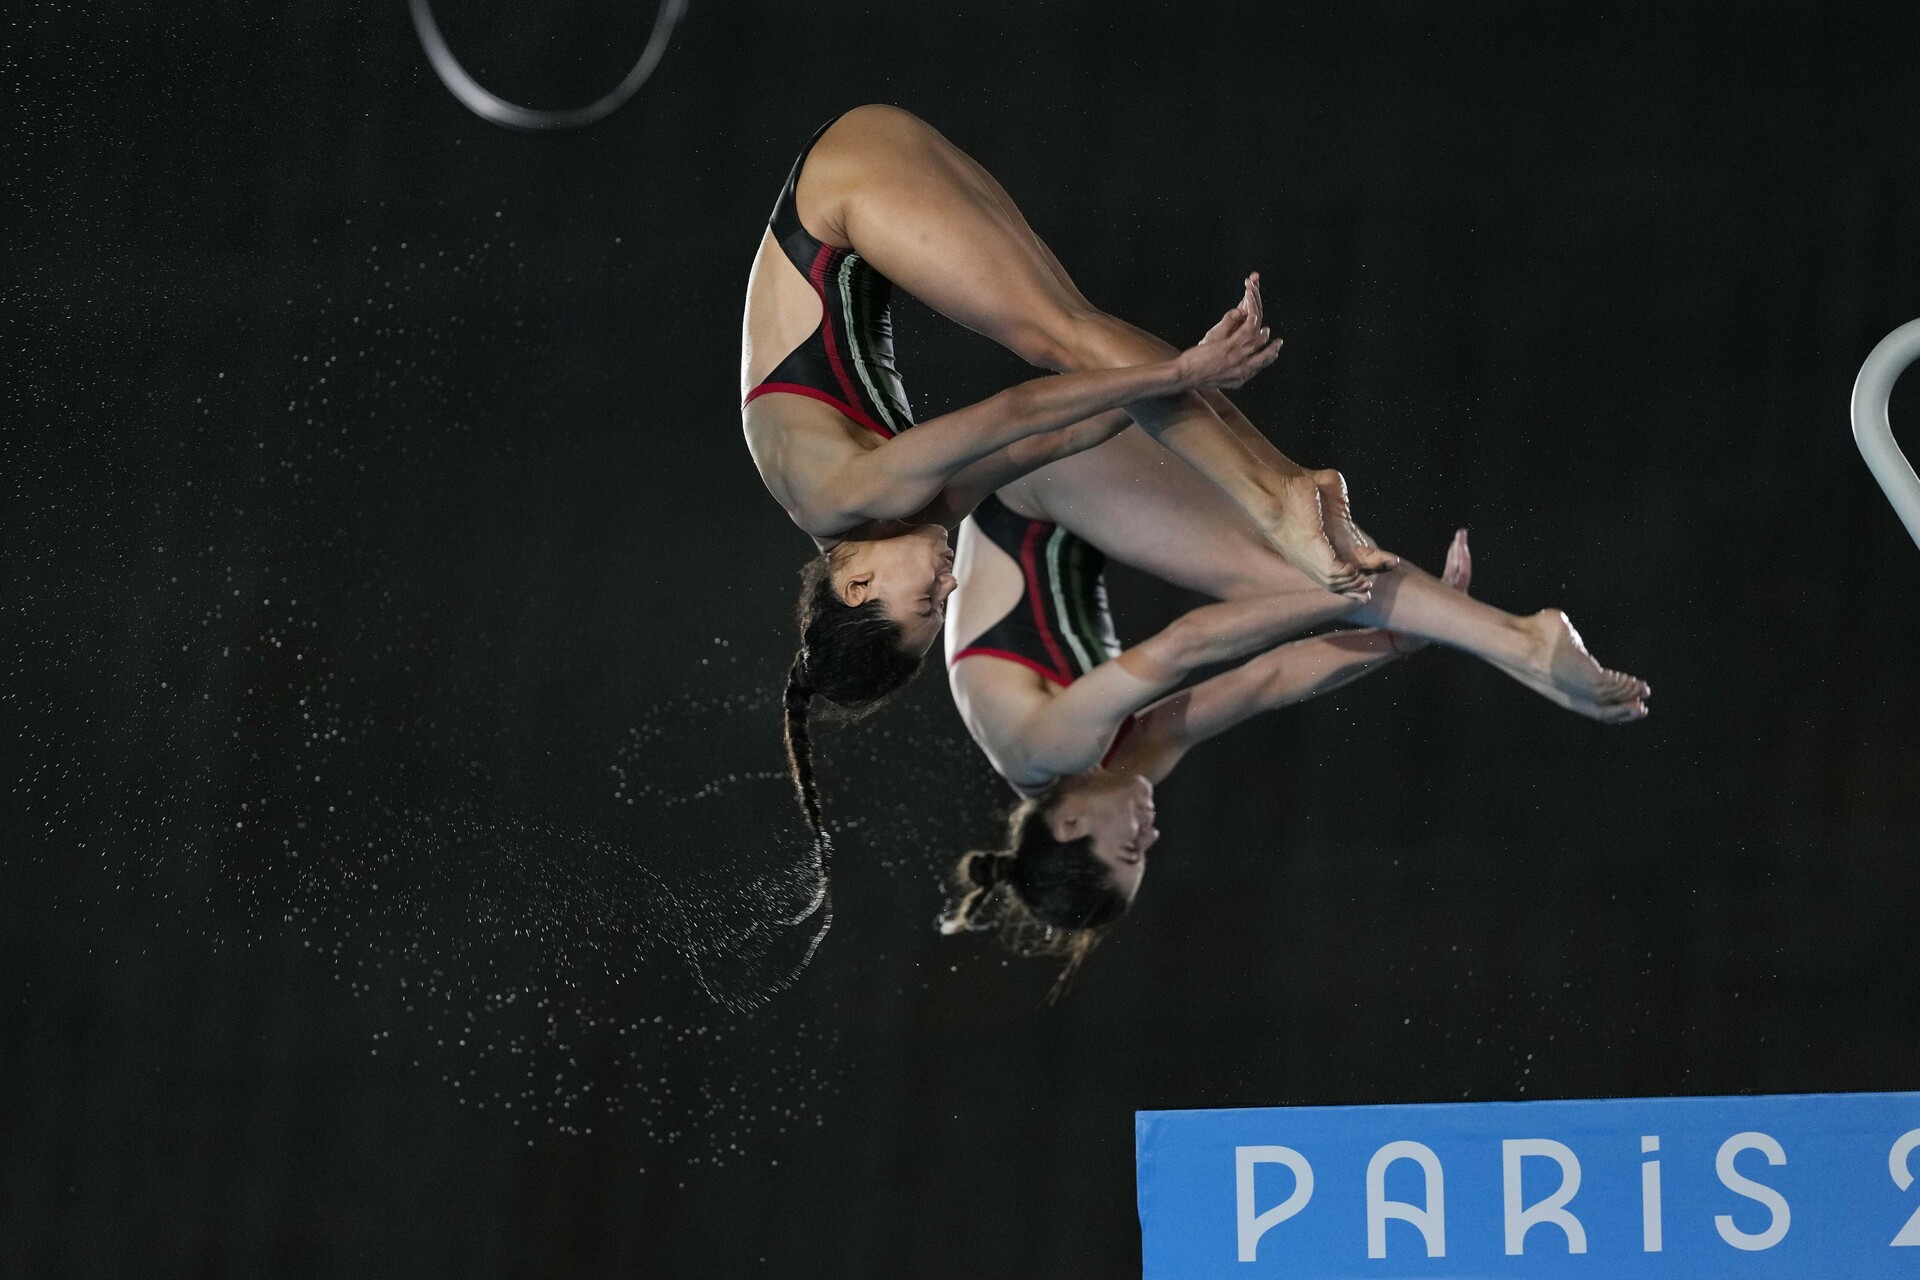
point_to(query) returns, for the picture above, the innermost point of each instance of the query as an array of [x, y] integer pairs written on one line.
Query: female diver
[[877, 199], [1082, 730]]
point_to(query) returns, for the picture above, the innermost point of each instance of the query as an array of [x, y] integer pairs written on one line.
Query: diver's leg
[[927, 217], [1135, 502]]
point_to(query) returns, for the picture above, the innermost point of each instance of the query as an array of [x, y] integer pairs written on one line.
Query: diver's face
[[910, 573], [1116, 809]]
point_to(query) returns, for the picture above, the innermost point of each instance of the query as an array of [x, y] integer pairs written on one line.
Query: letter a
[[1553, 1208], [1252, 1225], [1431, 1220]]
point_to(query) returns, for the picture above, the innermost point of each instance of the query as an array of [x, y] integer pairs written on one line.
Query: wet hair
[[851, 657], [1044, 896]]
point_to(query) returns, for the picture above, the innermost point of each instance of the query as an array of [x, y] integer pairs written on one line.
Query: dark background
[[392, 616]]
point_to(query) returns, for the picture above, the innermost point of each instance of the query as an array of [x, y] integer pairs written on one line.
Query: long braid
[[799, 694], [851, 659], [800, 746], [736, 974]]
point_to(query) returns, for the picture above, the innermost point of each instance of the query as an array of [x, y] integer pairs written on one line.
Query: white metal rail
[[1874, 434], [491, 106]]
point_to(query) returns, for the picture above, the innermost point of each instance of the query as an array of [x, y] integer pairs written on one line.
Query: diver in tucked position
[[1082, 730], [877, 199]]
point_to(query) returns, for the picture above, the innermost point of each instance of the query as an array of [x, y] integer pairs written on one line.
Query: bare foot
[[1300, 535], [1563, 671], [1348, 542]]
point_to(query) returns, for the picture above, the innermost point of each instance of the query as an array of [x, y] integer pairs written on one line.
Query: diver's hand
[[1235, 349]]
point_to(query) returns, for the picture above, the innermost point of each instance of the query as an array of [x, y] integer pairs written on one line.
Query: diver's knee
[[885, 116], [1038, 344]]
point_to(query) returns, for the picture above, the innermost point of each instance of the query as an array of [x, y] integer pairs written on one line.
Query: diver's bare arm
[[1070, 731], [1168, 729], [1001, 468], [1291, 673], [1004, 466], [971, 487], [908, 472]]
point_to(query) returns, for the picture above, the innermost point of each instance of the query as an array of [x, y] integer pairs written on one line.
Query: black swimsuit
[[848, 361], [1060, 627]]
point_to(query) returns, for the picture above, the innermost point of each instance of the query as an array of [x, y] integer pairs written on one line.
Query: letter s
[[1776, 1203]]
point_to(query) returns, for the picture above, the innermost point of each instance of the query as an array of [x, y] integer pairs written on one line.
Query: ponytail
[[979, 871], [1044, 897]]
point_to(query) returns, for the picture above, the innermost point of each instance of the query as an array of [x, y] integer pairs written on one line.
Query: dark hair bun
[[988, 869]]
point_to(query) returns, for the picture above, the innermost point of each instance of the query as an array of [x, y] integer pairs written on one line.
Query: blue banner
[[1796, 1187]]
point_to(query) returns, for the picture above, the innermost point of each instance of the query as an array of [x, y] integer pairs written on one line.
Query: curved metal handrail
[[490, 106], [1874, 434]]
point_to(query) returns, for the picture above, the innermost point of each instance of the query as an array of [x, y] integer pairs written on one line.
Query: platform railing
[[492, 107], [1874, 433]]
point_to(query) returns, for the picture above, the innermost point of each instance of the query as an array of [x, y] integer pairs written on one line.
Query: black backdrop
[[392, 615]]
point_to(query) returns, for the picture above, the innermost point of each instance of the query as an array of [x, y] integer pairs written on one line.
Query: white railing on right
[[1874, 434]]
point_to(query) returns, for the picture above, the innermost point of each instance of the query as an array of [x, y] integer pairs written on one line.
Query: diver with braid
[[873, 601]]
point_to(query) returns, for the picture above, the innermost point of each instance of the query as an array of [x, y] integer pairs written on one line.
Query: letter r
[[1552, 1210]]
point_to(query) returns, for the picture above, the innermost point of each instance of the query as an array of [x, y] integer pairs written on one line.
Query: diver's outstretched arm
[[911, 471], [1070, 731], [974, 485], [1164, 733], [1006, 466]]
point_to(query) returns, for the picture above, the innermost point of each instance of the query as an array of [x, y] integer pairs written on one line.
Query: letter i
[[1649, 1197]]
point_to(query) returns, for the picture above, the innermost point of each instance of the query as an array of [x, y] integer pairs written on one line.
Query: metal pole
[[1874, 434], [491, 106]]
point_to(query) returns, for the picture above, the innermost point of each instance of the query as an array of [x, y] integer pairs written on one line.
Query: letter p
[[1254, 1225]]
